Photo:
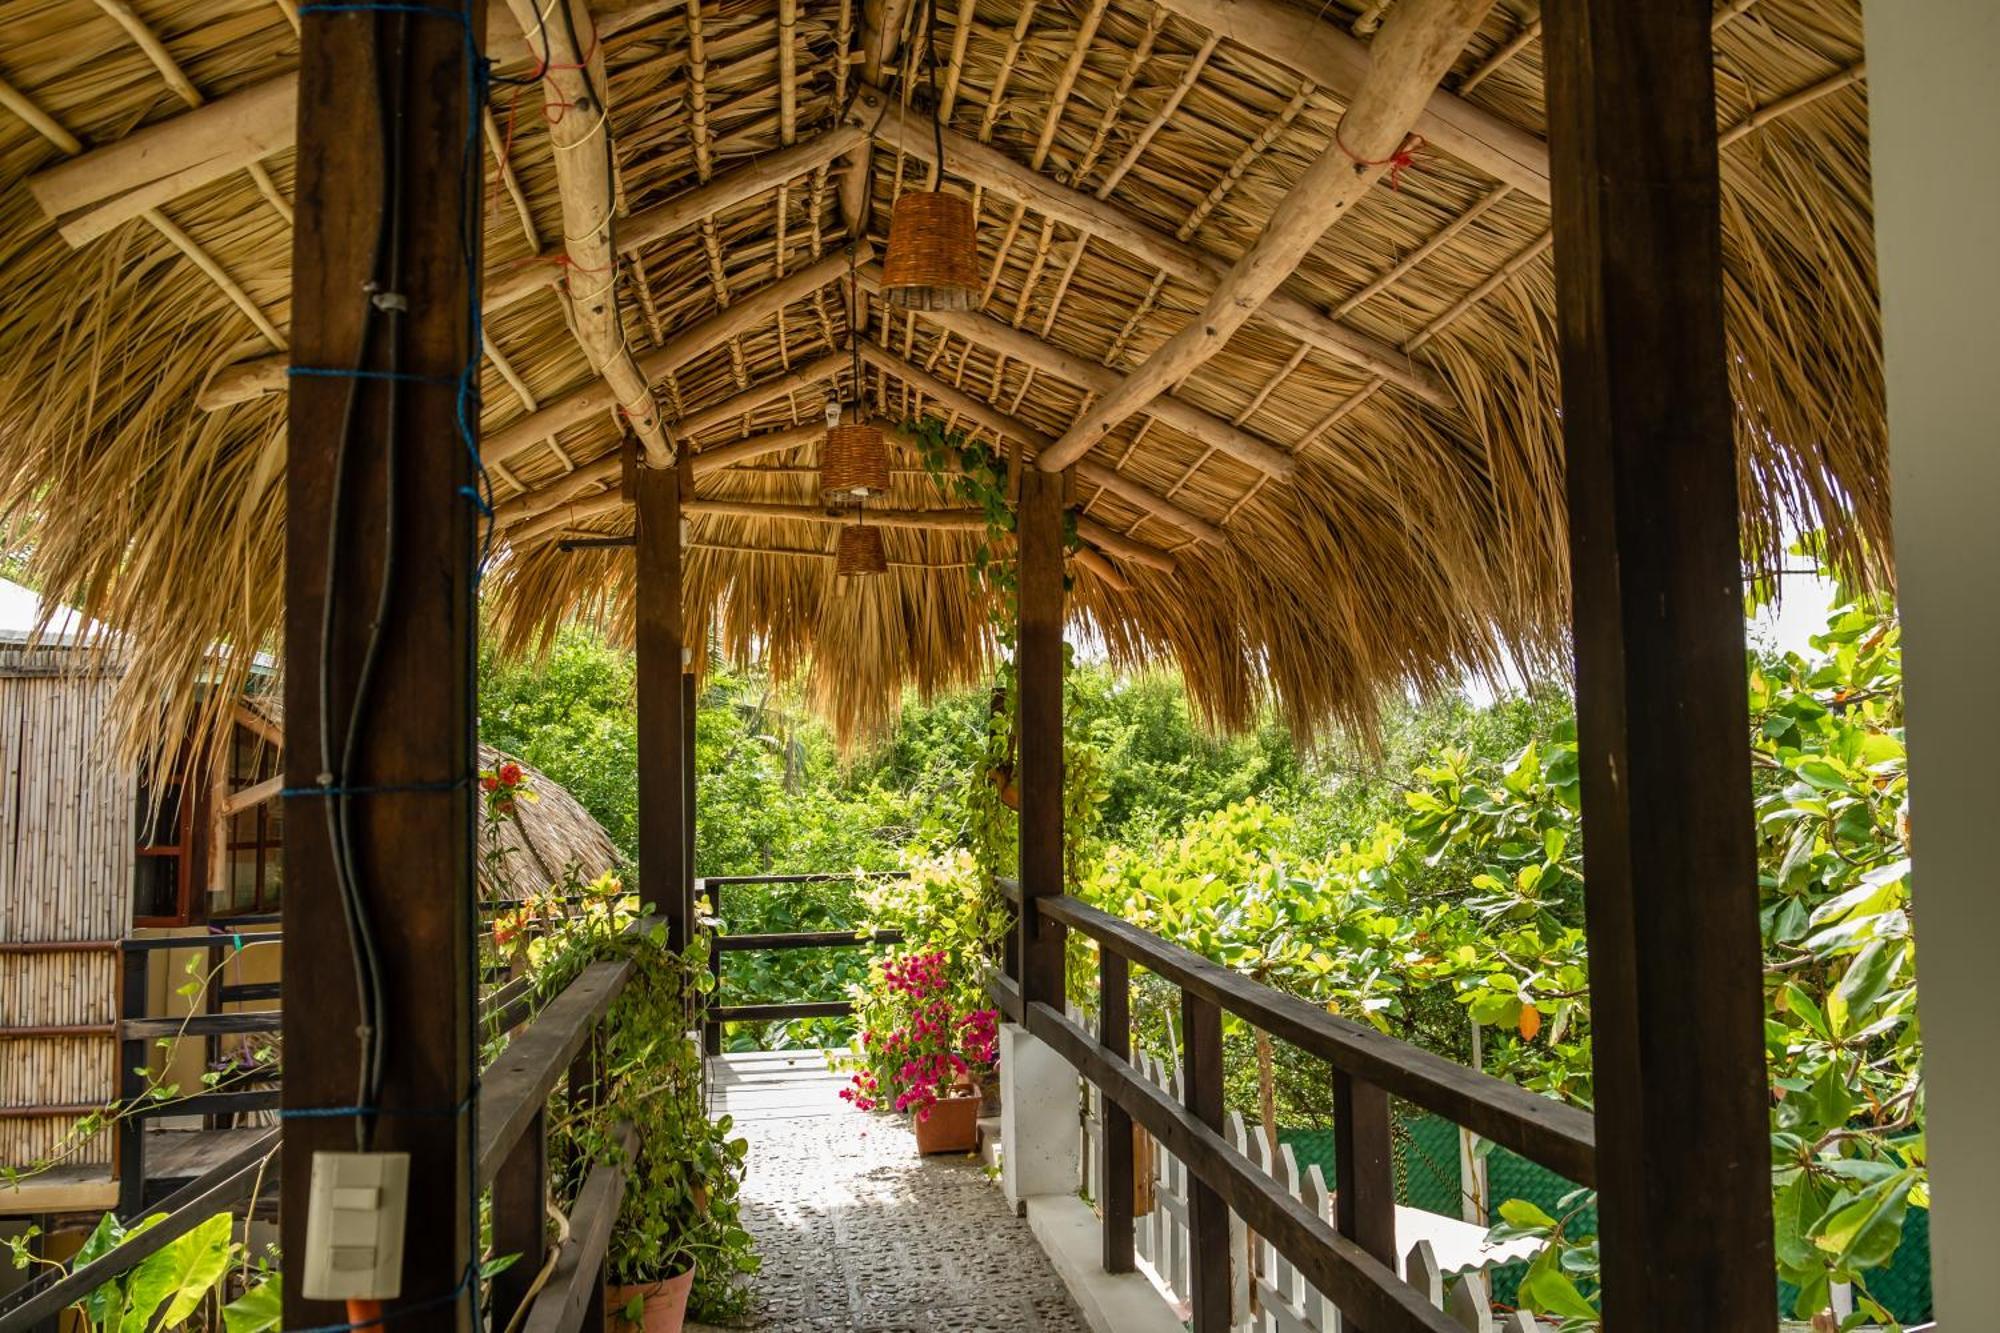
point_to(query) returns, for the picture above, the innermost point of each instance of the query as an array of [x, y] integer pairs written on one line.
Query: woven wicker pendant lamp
[[932, 261], [854, 458], [860, 552]]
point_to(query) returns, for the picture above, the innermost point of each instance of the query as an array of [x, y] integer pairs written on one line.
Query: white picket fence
[[1268, 1295]]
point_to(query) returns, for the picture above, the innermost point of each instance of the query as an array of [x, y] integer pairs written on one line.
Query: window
[[253, 876], [163, 894]]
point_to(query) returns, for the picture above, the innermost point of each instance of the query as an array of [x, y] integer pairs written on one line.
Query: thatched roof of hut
[[1362, 489]]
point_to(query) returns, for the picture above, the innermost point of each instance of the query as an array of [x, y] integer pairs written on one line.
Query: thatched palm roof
[[1122, 153]]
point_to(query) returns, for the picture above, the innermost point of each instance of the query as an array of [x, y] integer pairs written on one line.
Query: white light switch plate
[[354, 1226]]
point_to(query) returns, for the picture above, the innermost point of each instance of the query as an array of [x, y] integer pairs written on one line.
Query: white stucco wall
[[1935, 111]]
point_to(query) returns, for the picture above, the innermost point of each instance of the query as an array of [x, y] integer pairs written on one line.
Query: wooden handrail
[[520, 1079], [817, 877], [1560, 1137], [805, 939], [1365, 1289], [774, 1013]]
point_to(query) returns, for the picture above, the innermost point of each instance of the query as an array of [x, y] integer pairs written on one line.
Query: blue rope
[[378, 1112], [449, 784], [466, 1283], [399, 376]]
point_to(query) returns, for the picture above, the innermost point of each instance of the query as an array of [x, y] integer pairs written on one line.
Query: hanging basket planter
[[854, 462], [933, 257], [860, 552]]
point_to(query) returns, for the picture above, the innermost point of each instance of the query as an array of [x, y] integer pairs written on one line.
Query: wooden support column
[[1208, 1217], [662, 766], [688, 780], [1364, 1169], [1683, 1158], [400, 757], [1038, 716], [1114, 1194]]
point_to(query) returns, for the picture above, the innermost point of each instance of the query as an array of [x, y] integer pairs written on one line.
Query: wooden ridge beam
[[107, 186], [992, 169], [1416, 47], [1001, 424], [1339, 64], [746, 313], [573, 78], [999, 336]]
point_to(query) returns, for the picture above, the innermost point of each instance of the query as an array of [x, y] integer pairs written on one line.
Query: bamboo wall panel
[[67, 836]]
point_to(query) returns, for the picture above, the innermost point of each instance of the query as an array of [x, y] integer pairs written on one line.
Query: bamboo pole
[[573, 79]]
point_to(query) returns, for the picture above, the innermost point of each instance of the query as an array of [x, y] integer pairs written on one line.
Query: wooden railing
[[725, 943], [1352, 1260], [558, 1045]]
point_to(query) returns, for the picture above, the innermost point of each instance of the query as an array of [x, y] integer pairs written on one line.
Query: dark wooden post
[[1655, 562], [662, 779], [1364, 1169], [134, 972], [520, 1200], [689, 777], [1038, 675], [1114, 1031], [376, 505], [586, 1089], [1208, 1217]]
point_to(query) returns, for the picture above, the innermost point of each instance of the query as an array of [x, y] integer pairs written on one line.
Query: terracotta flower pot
[[662, 1305], [951, 1125]]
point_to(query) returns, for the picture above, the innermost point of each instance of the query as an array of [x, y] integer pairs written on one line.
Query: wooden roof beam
[[992, 169], [991, 418], [999, 336], [745, 313], [1417, 46], [515, 280], [151, 166], [1336, 62], [881, 33], [574, 78]]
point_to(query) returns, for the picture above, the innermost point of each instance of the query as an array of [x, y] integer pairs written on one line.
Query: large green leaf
[[179, 1276], [257, 1310]]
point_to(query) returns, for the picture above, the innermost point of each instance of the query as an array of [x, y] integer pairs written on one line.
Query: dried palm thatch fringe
[[1414, 542]]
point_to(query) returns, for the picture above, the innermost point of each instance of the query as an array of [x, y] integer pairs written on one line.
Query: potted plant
[[923, 1053], [679, 1246]]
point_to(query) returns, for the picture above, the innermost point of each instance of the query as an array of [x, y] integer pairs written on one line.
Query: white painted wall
[[1935, 111]]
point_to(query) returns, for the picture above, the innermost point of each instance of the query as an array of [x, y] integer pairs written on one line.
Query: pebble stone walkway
[[860, 1235]]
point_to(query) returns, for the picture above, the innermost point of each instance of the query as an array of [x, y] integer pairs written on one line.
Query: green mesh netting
[[1427, 1177]]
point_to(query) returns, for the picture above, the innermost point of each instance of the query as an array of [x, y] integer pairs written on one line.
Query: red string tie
[[1398, 162]]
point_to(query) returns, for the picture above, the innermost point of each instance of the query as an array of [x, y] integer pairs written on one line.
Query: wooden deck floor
[[860, 1235]]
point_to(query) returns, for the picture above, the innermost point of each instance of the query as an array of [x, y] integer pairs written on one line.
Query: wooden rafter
[[120, 181], [994, 170], [1417, 45], [715, 331], [986, 416], [1338, 63], [518, 280], [1006, 340], [576, 92]]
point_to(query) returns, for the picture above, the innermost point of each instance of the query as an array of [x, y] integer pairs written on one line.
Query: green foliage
[[681, 1208], [168, 1288]]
